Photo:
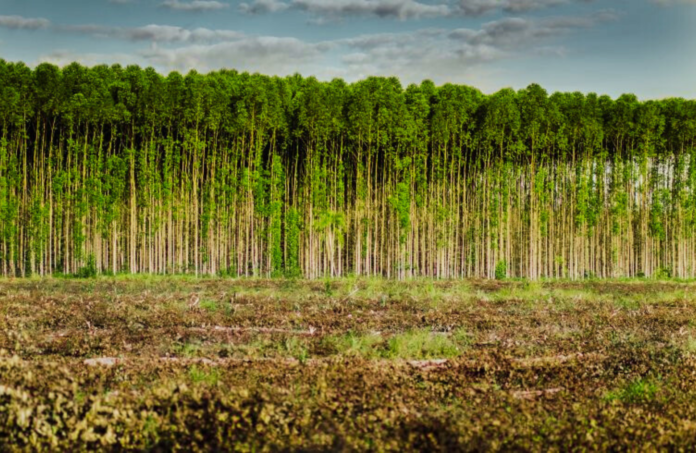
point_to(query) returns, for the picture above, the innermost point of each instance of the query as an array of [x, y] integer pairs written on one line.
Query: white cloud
[[441, 54], [400, 9], [268, 55], [519, 33], [195, 5], [23, 23], [326, 10], [263, 6], [155, 33], [479, 7], [459, 55]]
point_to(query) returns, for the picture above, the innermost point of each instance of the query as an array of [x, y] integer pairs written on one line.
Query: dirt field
[[267, 365]]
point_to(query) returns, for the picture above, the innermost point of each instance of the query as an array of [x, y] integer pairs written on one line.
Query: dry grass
[[360, 359]]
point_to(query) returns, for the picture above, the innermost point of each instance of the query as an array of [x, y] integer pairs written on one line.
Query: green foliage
[[208, 305], [295, 348], [204, 376], [423, 344], [417, 344], [187, 349], [352, 344], [401, 203], [328, 287], [89, 270], [277, 199], [292, 239], [663, 273], [636, 391], [501, 270], [242, 174]]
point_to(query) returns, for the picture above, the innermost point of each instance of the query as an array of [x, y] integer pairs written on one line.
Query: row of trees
[[253, 175]]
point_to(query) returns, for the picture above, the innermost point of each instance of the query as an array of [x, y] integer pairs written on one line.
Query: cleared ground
[[183, 363]]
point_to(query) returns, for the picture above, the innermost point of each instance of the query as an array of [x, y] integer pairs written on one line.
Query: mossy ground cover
[[267, 365]]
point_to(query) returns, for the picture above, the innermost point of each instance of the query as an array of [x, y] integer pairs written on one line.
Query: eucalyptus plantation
[[247, 175]]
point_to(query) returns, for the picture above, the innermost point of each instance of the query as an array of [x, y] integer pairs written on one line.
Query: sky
[[645, 47]]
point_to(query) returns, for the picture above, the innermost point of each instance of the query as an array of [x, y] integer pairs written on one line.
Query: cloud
[[518, 33], [155, 33], [23, 23], [443, 55], [461, 55], [398, 9], [195, 5], [263, 6], [449, 55], [269, 55], [402, 9], [480, 7], [430, 53]]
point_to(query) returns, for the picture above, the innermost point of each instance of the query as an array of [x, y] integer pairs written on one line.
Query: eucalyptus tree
[[244, 174]]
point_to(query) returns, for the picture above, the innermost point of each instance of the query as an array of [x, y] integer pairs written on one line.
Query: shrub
[[663, 273], [89, 270], [636, 391], [501, 270]]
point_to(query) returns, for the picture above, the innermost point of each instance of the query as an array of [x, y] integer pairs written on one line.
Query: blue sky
[[647, 47]]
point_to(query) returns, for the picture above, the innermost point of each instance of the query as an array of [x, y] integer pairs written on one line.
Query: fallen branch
[[532, 394], [429, 365]]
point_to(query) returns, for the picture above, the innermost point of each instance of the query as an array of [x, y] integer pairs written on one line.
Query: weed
[[202, 376], [421, 344], [690, 345], [187, 349], [663, 273], [80, 397], [627, 303], [352, 344], [501, 270], [89, 270], [209, 305], [150, 430], [639, 390], [328, 288], [295, 348], [461, 338]]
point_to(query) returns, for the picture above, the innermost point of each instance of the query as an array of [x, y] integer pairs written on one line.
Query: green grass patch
[[422, 344], [355, 345], [294, 347], [187, 349], [203, 376], [417, 344], [640, 390], [627, 303], [209, 305]]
